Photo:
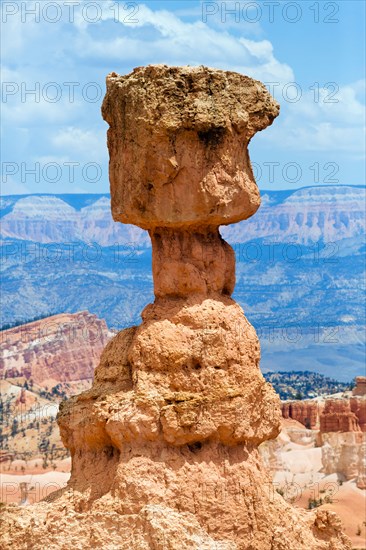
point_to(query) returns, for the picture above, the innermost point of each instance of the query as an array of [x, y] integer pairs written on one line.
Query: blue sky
[[311, 54]]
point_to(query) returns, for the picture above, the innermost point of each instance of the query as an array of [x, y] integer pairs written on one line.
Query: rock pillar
[[165, 444]]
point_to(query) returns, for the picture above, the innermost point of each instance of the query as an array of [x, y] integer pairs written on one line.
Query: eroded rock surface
[[178, 141], [344, 453], [337, 416], [75, 339], [306, 412], [165, 444], [360, 388]]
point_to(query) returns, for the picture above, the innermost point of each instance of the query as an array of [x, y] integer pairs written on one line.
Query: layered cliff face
[[338, 417], [41, 363], [309, 215], [305, 412], [341, 414], [61, 348], [165, 444], [308, 472], [340, 425], [313, 214], [358, 407]]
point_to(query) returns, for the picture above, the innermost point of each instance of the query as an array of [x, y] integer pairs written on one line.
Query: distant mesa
[[309, 215]]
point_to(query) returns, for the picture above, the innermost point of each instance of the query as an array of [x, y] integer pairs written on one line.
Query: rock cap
[[178, 142]]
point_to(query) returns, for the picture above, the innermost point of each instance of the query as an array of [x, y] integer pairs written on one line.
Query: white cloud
[[85, 52], [323, 136], [79, 141], [177, 42], [337, 104], [33, 97], [328, 119]]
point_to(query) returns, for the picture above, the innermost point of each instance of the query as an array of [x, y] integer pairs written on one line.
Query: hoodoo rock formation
[[344, 453], [343, 437], [337, 416], [306, 412], [360, 387], [358, 407], [340, 414], [165, 444]]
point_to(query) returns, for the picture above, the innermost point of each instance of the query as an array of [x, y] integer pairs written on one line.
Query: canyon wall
[[339, 423], [305, 412], [358, 408], [337, 416], [328, 414], [60, 348], [343, 438]]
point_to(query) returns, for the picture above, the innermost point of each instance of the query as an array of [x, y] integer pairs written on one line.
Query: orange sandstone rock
[[165, 444], [187, 262], [343, 438], [61, 348], [306, 412], [344, 453], [342, 414], [178, 141], [338, 417], [358, 407], [360, 388]]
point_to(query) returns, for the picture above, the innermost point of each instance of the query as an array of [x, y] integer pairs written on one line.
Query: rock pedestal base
[[164, 445]]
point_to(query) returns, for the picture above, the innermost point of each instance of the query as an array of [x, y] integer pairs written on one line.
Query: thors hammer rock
[[165, 444]]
